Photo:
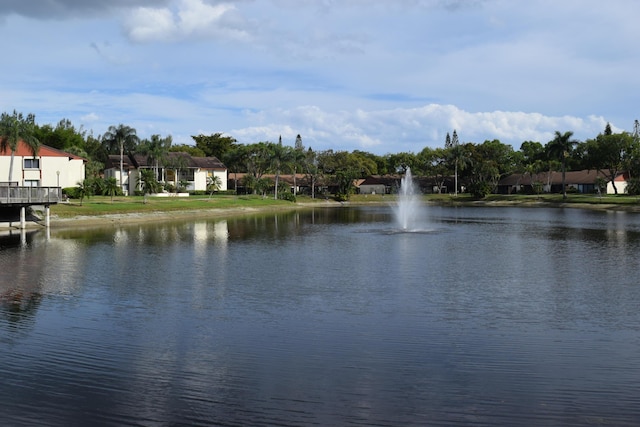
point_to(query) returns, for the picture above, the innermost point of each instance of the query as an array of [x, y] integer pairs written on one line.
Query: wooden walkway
[[14, 196]]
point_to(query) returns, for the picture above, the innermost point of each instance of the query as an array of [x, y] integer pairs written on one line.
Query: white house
[[177, 167], [50, 168]]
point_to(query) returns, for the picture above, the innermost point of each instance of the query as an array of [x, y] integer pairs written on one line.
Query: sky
[[382, 76]]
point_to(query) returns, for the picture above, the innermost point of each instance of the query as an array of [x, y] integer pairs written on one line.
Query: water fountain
[[408, 209]]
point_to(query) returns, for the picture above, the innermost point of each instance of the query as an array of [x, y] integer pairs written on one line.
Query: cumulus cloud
[[411, 129], [190, 19]]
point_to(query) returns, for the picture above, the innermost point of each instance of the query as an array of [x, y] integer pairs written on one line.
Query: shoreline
[[36, 219]]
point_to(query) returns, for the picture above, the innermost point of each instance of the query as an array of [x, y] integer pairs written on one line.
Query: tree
[[297, 159], [14, 128], [257, 160], [491, 160], [84, 189], [189, 149], [148, 183], [400, 162], [280, 156], [120, 137], [311, 169], [213, 184], [63, 136], [607, 129], [111, 187], [156, 149], [560, 148], [214, 145], [235, 159], [610, 154]]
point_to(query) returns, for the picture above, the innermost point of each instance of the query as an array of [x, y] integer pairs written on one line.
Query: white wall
[[200, 179], [620, 185], [71, 171]]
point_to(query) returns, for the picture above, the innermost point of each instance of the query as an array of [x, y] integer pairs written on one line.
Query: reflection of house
[[177, 168], [583, 181], [50, 168]]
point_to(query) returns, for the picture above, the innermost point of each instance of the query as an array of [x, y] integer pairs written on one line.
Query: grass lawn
[[101, 205]]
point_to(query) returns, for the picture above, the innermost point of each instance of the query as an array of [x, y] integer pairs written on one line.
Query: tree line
[[474, 167]]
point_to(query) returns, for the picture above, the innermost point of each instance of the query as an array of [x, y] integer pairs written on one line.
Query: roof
[[572, 177], [23, 150], [140, 160], [208, 163], [301, 179]]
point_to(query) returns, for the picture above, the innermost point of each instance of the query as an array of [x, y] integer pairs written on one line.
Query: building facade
[[49, 168]]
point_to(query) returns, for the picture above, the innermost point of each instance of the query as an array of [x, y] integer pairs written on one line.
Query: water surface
[[481, 316]]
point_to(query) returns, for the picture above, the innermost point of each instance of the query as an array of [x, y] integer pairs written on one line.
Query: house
[[49, 168], [301, 184], [583, 181], [376, 184], [178, 167]]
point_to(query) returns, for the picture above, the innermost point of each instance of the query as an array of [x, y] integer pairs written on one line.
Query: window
[[187, 175], [31, 183], [31, 163]]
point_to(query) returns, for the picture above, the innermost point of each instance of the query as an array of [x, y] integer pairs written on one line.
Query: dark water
[[481, 316]]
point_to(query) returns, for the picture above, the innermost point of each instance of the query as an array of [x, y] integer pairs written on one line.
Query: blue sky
[[381, 76]]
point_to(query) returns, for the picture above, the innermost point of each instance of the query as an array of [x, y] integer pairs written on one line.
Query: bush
[[633, 187], [480, 190], [287, 195], [71, 192]]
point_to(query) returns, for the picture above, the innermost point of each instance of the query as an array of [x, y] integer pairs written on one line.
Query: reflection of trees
[[18, 305]]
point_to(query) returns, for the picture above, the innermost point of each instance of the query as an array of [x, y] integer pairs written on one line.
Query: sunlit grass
[[100, 205]]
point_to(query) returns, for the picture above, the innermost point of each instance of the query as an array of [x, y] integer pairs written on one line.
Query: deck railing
[[13, 195]]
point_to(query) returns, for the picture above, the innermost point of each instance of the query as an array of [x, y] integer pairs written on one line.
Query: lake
[[326, 316]]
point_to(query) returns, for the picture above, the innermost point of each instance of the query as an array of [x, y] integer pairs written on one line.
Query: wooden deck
[[14, 196]]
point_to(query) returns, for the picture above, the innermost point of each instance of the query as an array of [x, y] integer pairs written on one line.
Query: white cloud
[[90, 118], [191, 19], [400, 129]]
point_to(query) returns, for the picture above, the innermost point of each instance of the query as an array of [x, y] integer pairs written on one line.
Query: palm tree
[[560, 147], [280, 158], [111, 187], [14, 128], [84, 189], [147, 182], [119, 137], [235, 159], [156, 150], [213, 184]]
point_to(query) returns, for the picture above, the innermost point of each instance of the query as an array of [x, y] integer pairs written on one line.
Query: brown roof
[[140, 160], [45, 151], [572, 177]]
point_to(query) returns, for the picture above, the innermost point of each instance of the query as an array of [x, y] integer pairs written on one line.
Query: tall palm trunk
[[13, 153]]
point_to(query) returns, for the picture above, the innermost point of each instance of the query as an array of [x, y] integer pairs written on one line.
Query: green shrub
[[480, 190], [287, 195], [71, 192]]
